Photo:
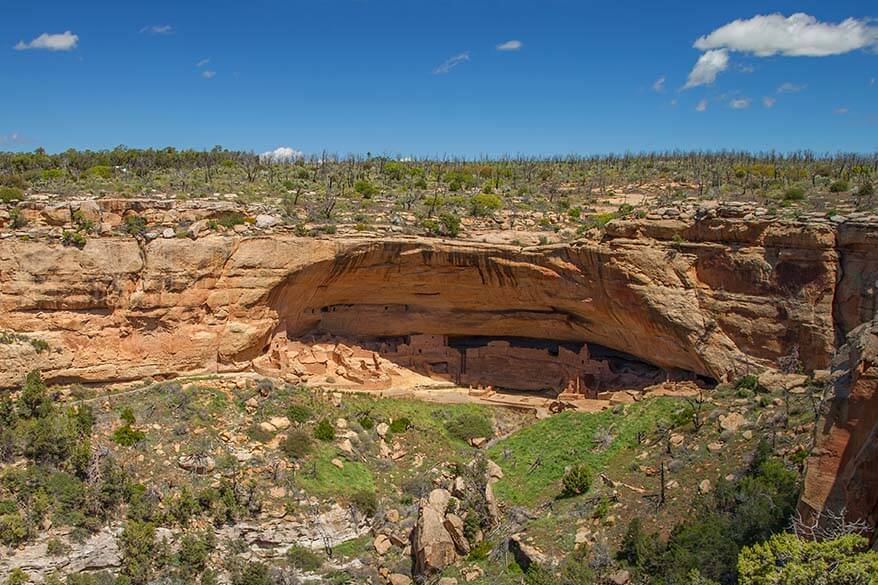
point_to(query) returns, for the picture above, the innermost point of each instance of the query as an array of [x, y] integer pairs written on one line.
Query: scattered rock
[[620, 577], [732, 422], [197, 463], [280, 422], [266, 221], [381, 544], [399, 579], [338, 463], [525, 554], [704, 486]]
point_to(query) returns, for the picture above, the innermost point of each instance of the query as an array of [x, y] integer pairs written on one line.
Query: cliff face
[[709, 297], [842, 472]]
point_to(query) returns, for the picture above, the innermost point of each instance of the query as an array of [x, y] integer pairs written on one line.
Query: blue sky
[[367, 76]]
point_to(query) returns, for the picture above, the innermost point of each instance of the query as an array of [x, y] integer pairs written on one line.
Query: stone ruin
[[524, 365]]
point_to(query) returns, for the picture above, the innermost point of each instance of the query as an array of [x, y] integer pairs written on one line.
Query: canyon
[[707, 299]]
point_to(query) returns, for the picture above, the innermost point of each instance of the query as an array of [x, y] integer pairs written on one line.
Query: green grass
[[352, 548], [567, 439], [321, 478]]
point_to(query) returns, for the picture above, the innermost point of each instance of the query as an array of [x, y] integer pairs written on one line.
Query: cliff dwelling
[[367, 347]]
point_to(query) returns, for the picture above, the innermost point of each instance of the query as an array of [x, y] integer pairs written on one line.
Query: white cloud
[[659, 84], [10, 139], [65, 41], [872, 82], [158, 29], [790, 88], [203, 62], [701, 106], [281, 154], [208, 74], [799, 35], [841, 111], [451, 63], [512, 45], [709, 65], [768, 102], [739, 103]]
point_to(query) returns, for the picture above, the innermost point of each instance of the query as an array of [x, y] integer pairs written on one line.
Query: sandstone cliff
[[716, 296], [842, 472]]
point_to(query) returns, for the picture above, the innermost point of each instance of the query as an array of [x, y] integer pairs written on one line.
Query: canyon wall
[[716, 297], [842, 471]]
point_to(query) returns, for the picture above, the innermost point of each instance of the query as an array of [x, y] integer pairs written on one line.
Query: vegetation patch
[[535, 459]]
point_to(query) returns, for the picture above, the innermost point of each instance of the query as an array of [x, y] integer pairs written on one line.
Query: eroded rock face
[[706, 297], [266, 539], [842, 472]]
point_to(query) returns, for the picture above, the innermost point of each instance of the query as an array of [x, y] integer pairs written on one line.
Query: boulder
[[525, 554], [200, 464], [381, 544], [454, 526], [775, 381], [434, 547], [264, 221], [89, 210], [732, 422]]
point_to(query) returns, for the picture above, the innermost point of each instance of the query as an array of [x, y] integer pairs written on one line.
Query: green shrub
[[56, 548], [10, 194], [194, 551], [468, 426], [13, 530], [789, 560], [866, 190], [304, 559], [324, 431], [365, 188], [134, 225], [480, 551], [366, 502], [137, 544], [450, 224], [298, 413], [253, 574], [100, 171], [838, 186], [749, 382], [128, 436], [17, 577], [366, 421], [127, 416], [33, 402], [794, 194], [400, 425], [577, 480], [230, 219], [485, 204], [296, 445]]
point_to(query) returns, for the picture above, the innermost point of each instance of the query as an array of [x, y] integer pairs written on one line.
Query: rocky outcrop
[[842, 472], [706, 296], [266, 539], [433, 545]]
